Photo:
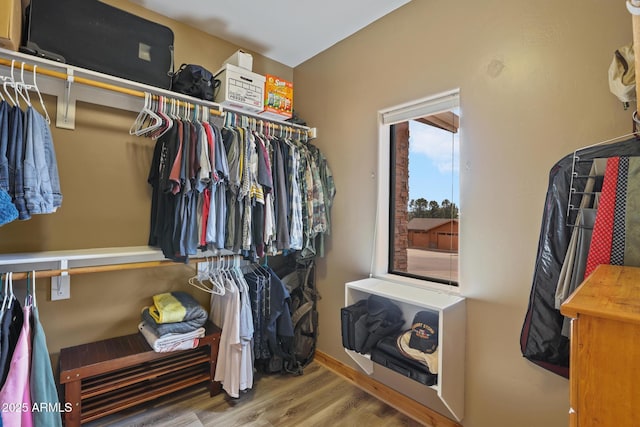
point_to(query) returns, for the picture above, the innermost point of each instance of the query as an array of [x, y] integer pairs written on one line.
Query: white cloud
[[436, 144]]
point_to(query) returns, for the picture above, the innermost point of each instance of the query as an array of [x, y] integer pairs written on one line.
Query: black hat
[[424, 331]]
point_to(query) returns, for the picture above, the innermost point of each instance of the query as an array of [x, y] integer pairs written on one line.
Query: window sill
[[420, 283]]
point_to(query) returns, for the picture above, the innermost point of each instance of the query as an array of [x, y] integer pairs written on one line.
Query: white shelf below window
[[448, 393]]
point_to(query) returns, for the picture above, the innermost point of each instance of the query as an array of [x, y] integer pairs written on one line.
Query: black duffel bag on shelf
[[383, 318], [349, 316], [195, 80]]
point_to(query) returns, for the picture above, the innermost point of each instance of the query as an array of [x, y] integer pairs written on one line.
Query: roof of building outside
[[427, 223]]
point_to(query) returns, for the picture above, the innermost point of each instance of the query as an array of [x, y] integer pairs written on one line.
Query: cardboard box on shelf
[[241, 59], [240, 88], [278, 98], [10, 24]]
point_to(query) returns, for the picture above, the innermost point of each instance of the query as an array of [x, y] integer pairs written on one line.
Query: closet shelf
[[56, 78], [56, 263]]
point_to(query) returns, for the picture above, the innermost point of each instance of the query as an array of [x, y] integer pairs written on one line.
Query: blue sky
[[433, 165]]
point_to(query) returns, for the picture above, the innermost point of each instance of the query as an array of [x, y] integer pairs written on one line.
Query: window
[[420, 205]]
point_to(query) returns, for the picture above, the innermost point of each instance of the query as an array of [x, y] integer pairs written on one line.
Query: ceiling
[[287, 31]]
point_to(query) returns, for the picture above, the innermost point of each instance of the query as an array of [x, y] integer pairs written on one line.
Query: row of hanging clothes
[[28, 389], [251, 304], [236, 183], [29, 181], [589, 218]]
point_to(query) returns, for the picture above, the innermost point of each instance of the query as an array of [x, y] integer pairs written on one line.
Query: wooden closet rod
[[93, 83], [39, 274]]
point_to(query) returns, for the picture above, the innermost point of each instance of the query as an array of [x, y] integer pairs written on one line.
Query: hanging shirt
[[296, 227], [15, 393], [37, 186], [4, 141], [246, 333], [257, 283], [12, 320], [230, 138], [280, 197], [230, 353], [41, 381], [221, 168], [16, 166]]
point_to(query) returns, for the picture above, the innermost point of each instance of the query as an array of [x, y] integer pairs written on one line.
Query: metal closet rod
[[94, 83]]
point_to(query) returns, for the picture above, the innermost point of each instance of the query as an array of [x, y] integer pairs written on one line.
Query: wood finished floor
[[317, 398]]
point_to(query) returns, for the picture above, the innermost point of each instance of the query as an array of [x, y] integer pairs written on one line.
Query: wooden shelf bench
[[107, 376]]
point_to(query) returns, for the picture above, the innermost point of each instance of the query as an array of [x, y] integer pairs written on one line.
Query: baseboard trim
[[397, 400]]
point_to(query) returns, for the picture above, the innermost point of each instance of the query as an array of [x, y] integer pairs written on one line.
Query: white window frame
[[435, 104]]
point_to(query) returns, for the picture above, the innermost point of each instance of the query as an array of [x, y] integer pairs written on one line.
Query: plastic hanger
[[23, 88], [17, 89], [229, 279], [238, 274], [6, 82], [8, 292], [198, 281], [147, 120], [152, 120], [33, 287], [37, 89], [137, 123], [167, 122], [154, 125]]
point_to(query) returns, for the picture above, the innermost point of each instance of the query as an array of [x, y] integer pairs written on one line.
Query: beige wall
[[106, 203], [195, 47], [533, 87]]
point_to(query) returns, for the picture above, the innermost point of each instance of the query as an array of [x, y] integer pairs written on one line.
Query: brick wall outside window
[[400, 243]]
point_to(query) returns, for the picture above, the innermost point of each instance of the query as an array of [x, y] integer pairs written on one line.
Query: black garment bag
[[541, 339]]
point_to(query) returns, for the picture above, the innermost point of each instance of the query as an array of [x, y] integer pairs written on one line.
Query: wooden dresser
[[605, 348]]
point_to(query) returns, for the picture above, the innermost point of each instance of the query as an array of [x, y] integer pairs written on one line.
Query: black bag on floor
[[349, 316], [291, 354], [304, 313], [93, 35]]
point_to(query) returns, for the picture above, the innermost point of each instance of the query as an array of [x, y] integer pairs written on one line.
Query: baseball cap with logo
[[424, 331], [420, 343]]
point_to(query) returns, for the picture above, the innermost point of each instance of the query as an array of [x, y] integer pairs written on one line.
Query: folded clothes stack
[[174, 322]]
